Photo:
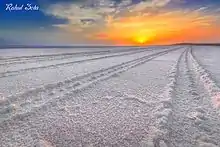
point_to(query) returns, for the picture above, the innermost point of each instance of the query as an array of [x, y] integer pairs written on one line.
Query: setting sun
[[141, 38], [165, 28]]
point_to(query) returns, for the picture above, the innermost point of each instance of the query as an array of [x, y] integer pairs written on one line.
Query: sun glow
[[141, 39], [164, 28]]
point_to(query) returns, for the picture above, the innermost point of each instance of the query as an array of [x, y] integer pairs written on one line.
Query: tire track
[[31, 59], [50, 55], [163, 111], [61, 57], [182, 128], [189, 119], [39, 97], [209, 84], [204, 116], [22, 71]]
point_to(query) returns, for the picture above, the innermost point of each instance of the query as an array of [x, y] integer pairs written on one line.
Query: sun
[[143, 36], [141, 39]]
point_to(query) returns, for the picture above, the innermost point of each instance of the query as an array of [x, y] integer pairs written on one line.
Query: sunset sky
[[111, 22]]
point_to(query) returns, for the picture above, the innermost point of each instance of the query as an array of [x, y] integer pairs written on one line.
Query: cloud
[[97, 10], [86, 14], [149, 4], [75, 13], [168, 26], [102, 19]]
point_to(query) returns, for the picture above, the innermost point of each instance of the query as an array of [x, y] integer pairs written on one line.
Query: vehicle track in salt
[[164, 111], [46, 56], [27, 59], [39, 97], [207, 80], [207, 119], [186, 117], [32, 69], [50, 57]]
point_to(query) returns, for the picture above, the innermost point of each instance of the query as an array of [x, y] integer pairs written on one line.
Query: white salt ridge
[[134, 98], [209, 84], [164, 114]]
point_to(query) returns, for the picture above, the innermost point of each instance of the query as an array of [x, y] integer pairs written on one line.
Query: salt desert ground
[[158, 96]]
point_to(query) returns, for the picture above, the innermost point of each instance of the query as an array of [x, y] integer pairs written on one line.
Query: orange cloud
[[161, 28]]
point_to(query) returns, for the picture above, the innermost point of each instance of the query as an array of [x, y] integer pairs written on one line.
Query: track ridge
[[189, 111], [39, 97], [204, 117], [51, 55], [209, 84], [61, 57], [22, 71], [182, 103], [30, 59], [164, 110]]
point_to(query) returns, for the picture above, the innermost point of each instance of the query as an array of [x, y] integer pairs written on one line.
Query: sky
[[109, 22]]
